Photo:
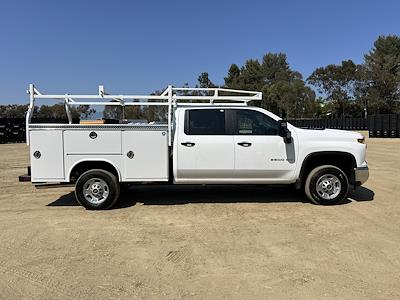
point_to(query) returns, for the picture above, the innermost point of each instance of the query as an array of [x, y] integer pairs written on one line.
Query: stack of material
[[91, 122]]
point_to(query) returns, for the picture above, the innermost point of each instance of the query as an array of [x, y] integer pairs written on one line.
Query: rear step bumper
[[53, 185], [44, 185], [26, 177]]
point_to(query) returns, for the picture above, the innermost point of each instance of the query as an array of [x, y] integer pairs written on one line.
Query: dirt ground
[[201, 242]]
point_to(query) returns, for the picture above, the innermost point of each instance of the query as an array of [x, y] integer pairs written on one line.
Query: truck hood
[[328, 134]]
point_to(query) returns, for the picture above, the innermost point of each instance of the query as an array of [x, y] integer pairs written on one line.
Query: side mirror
[[284, 132]]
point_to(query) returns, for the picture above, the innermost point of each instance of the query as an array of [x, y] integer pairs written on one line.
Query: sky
[[138, 47]]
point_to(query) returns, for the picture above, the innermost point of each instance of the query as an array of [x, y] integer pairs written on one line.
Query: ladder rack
[[171, 97]]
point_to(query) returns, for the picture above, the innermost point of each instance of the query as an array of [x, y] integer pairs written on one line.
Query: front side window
[[251, 122], [205, 122]]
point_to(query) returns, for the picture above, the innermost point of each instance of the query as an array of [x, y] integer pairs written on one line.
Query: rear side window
[[205, 122]]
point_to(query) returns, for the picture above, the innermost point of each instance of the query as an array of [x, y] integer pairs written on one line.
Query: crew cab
[[206, 141]]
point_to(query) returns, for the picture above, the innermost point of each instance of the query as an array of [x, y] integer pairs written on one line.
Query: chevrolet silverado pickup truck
[[212, 136]]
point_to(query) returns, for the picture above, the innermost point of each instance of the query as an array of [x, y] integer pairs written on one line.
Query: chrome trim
[[361, 175]]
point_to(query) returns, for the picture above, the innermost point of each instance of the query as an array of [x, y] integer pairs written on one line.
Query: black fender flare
[[300, 180]]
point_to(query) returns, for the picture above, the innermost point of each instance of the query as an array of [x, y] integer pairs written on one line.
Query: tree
[[251, 75], [284, 90], [372, 87], [56, 111], [383, 68], [342, 85], [156, 113], [276, 68], [83, 111], [113, 111], [233, 77], [204, 81], [13, 111]]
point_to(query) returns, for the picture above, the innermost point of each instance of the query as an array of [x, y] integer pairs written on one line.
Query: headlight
[[362, 140]]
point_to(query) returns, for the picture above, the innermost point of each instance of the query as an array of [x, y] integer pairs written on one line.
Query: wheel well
[[343, 160], [84, 166]]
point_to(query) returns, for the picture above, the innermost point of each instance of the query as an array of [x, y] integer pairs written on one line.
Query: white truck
[[212, 137]]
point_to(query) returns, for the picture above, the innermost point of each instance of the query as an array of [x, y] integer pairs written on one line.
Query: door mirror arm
[[284, 132]]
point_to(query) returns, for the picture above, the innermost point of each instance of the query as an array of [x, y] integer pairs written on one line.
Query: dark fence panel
[[12, 130], [387, 126], [346, 124]]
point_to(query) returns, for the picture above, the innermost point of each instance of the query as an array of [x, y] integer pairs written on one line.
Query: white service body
[[64, 146]]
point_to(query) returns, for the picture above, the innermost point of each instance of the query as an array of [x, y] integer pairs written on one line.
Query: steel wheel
[[96, 190], [328, 186]]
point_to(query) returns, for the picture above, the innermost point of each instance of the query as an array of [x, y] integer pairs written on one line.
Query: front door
[[260, 154], [205, 153]]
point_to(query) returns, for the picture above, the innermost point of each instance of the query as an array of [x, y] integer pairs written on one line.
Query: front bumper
[[361, 175]]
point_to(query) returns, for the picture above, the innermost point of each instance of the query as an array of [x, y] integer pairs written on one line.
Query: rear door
[[205, 152], [260, 154]]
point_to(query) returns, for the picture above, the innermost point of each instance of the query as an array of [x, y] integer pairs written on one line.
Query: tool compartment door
[[46, 155], [145, 155], [92, 141]]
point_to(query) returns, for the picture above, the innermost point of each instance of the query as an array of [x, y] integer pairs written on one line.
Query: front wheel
[[326, 185], [97, 189]]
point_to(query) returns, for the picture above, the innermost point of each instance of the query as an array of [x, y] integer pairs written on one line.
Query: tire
[[102, 189], [326, 185]]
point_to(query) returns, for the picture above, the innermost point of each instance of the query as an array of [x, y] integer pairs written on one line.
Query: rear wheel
[[326, 185], [97, 189]]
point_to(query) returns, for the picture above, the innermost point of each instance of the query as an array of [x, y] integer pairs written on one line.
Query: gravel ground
[[201, 242]]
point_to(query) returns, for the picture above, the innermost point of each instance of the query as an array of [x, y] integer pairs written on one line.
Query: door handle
[[188, 144], [244, 144]]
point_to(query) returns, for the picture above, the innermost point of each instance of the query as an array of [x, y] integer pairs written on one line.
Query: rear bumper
[[361, 175], [25, 177]]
